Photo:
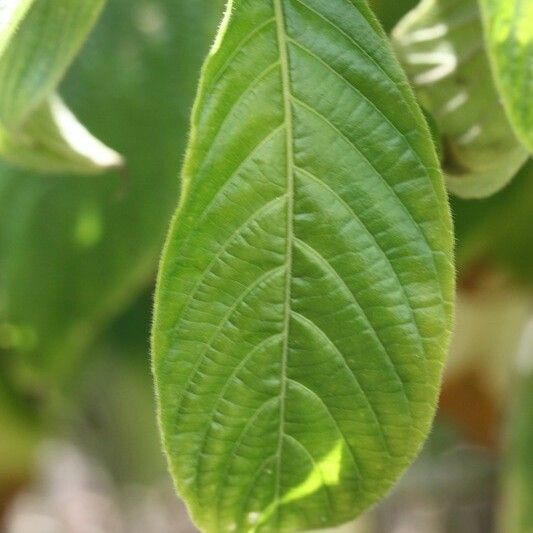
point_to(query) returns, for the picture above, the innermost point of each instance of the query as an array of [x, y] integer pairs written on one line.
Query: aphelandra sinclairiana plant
[[304, 300], [304, 303]]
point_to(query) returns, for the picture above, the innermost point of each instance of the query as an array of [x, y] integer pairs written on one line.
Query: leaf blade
[[38, 54], [440, 44], [264, 217], [509, 34], [53, 141], [11, 13]]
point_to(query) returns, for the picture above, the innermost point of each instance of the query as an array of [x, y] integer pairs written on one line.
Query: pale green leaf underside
[[11, 13], [53, 140], [440, 44], [38, 54], [509, 35], [304, 300], [37, 131]]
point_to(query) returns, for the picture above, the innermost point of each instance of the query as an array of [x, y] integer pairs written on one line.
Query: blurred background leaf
[[508, 28], [441, 46], [73, 253], [39, 52], [37, 131], [11, 13], [53, 141]]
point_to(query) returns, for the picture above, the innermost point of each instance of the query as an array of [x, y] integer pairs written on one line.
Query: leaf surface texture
[[304, 299]]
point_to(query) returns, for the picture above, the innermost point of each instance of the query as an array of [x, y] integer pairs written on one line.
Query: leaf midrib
[[286, 93]]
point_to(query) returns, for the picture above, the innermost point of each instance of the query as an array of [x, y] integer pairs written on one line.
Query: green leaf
[[52, 140], [304, 299], [37, 131], [38, 55], [509, 33], [440, 44], [11, 13], [96, 241]]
